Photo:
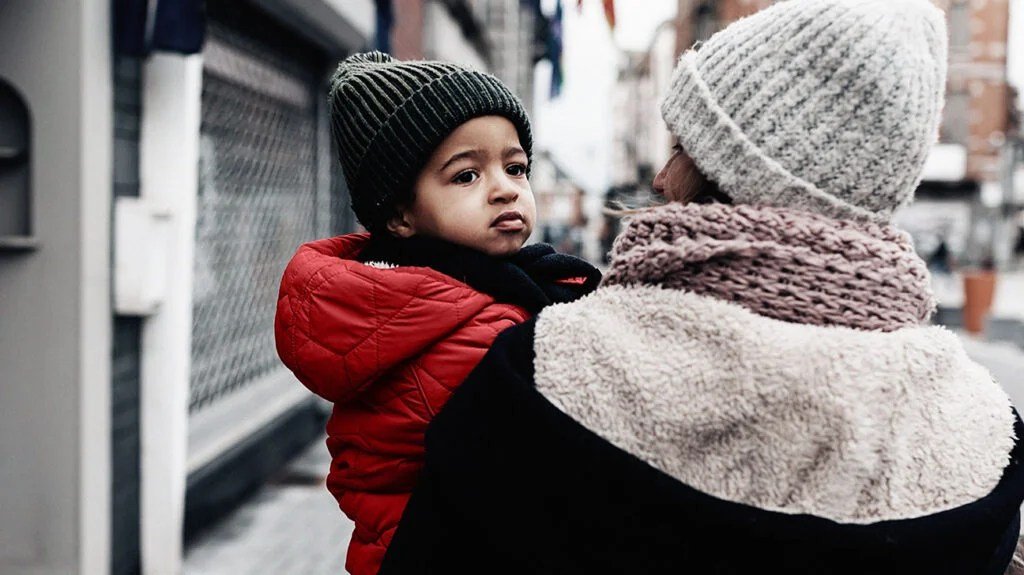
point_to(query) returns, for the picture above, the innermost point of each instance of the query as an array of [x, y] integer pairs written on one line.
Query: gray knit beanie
[[387, 117], [825, 105]]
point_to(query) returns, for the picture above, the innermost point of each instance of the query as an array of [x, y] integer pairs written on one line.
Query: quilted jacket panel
[[387, 347]]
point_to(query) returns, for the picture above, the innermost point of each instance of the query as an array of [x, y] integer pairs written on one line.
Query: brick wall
[[407, 32], [984, 75]]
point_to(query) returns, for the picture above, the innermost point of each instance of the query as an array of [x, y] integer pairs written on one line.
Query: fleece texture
[[851, 425]]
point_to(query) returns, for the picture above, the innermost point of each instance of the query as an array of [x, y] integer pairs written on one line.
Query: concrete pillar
[[169, 177], [54, 297]]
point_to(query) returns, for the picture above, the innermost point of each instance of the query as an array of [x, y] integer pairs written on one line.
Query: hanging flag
[[130, 27], [385, 21], [555, 51], [179, 26], [609, 13]]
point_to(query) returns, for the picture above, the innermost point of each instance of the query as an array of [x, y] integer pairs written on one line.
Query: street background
[[161, 160]]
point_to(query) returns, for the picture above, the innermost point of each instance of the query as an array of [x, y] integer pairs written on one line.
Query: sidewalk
[[1004, 360], [293, 524]]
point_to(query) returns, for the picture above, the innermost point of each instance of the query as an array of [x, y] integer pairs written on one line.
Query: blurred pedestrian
[[753, 388], [941, 260], [385, 325]]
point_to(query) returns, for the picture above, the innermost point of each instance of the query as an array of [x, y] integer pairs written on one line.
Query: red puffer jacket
[[387, 347]]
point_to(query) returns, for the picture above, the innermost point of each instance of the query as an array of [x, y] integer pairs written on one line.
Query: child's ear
[[400, 224]]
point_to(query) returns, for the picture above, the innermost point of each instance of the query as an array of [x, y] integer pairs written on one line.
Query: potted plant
[[979, 292]]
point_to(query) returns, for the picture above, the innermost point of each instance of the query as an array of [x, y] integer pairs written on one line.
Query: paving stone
[[293, 525]]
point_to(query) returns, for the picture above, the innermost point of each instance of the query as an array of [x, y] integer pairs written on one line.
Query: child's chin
[[509, 249]]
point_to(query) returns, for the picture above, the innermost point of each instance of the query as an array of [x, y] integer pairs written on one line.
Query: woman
[[753, 388]]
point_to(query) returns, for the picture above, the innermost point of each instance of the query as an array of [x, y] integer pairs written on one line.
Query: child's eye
[[516, 170], [467, 177]]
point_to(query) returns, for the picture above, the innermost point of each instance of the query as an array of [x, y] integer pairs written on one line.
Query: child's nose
[[504, 192]]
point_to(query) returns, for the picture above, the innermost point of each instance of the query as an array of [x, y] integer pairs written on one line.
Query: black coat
[[513, 485]]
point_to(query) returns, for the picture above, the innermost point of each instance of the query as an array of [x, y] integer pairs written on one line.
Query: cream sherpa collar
[[851, 425]]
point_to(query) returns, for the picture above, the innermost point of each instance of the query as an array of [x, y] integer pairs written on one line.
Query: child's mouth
[[511, 221]]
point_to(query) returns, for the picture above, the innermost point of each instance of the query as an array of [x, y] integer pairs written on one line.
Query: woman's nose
[[659, 181]]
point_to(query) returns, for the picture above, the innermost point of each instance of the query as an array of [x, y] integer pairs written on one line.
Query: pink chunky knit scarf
[[785, 264]]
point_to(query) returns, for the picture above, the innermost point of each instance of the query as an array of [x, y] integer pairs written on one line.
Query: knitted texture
[[784, 264], [826, 105], [387, 117]]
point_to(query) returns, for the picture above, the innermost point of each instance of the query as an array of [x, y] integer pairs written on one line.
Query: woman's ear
[[401, 224]]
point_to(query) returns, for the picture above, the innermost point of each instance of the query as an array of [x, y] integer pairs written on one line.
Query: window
[[15, 204]]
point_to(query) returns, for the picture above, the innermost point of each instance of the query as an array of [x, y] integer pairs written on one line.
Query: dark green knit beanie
[[387, 117]]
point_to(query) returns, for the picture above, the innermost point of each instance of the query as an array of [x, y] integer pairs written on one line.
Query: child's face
[[473, 191]]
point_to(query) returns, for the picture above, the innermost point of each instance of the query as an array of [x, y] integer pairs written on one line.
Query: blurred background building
[[563, 220], [641, 141], [161, 160]]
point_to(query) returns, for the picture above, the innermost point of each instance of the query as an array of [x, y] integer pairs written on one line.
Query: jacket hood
[[341, 324]]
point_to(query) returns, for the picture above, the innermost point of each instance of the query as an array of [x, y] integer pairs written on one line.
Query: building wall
[[979, 70], [525, 34], [697, 20], [125, 549], [501, 18], [264, 188], [407, 33], [629, 115], [732, 10], [559, 207], [662, 58], [510, 28], [257, 197], [443, 38], [642, 140], [430, 29], [125, 407], [54, 300]]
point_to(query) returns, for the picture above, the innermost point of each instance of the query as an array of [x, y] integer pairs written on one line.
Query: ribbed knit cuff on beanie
[[827, 105], [388, 116]]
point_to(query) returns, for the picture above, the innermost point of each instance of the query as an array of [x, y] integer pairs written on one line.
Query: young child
[[386, 325]]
